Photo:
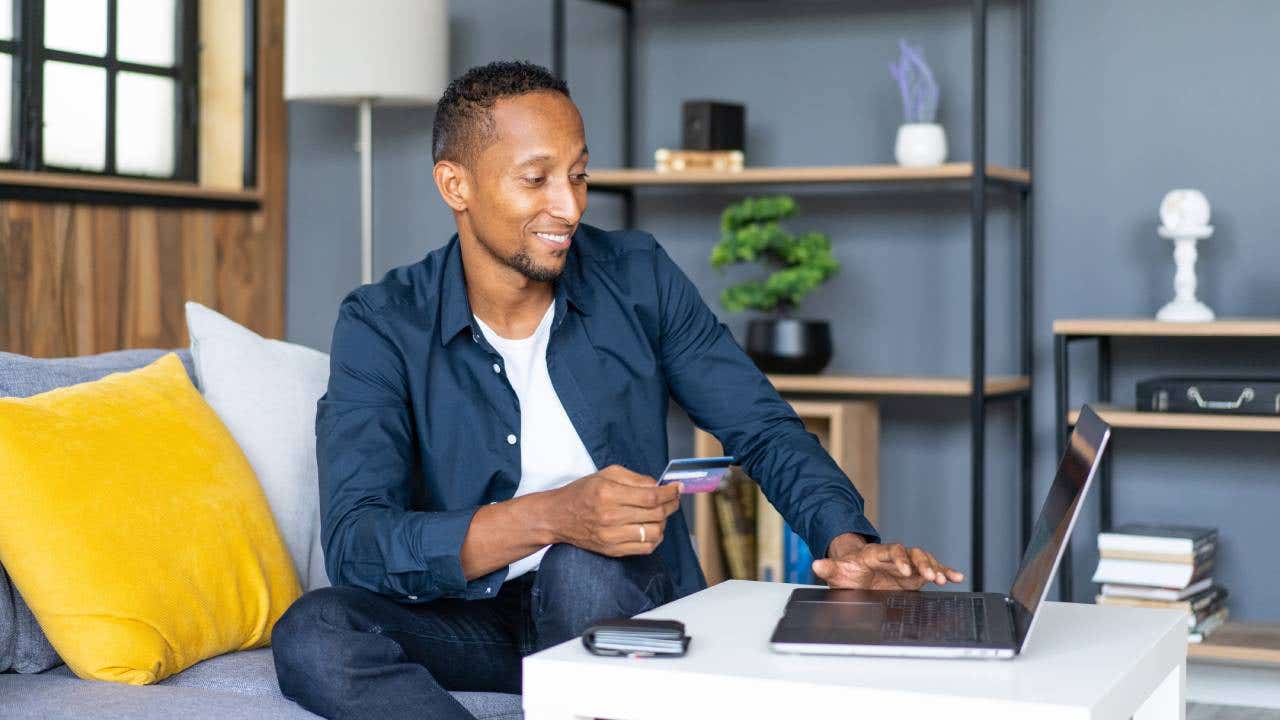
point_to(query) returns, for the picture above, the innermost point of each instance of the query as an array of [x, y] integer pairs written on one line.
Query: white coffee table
[[1084, 661]]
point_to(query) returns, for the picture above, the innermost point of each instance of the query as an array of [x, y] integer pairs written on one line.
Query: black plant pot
[[789, 345]]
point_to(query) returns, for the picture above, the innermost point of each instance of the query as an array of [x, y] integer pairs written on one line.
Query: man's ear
[[454, 183]]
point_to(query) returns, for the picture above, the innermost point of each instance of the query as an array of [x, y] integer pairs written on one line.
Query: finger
[[939, 577], [630, 548], [627, 476], [823, 568], [639, 496], [952, 574], [630, 533], [629, 515], [901, 562], [923, 563]]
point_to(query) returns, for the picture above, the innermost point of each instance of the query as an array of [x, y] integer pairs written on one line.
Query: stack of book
[[1163, 566]]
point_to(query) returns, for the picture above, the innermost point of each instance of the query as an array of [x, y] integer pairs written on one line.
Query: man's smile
[[558, 240]]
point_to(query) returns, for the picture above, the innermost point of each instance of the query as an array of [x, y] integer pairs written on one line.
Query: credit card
[[698, 475]]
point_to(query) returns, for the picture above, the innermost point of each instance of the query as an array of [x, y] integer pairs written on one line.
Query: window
[[106, 87]]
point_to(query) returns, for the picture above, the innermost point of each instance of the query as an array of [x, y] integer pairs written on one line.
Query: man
[[493, 419]]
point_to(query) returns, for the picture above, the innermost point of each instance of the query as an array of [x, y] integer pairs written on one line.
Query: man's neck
[[507, 301]]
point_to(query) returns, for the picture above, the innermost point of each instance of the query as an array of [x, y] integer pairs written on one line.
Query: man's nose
[[565, 203]]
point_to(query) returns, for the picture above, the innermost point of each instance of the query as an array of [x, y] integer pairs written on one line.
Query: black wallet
[[627, 636]]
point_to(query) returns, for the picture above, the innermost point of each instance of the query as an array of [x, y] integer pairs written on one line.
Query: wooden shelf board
[[129, 186], [630, 177], [1145, 327], [1253, 643], [893, 384], [1129, 418]]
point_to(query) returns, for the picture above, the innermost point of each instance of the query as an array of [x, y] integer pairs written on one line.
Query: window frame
[[29, 55]]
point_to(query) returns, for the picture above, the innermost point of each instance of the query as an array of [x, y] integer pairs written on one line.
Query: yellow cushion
[[134, 527]]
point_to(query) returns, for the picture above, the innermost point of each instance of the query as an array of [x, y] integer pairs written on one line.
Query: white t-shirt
[[551, 453]]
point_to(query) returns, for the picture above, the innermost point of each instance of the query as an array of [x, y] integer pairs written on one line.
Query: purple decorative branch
[[916, 84]]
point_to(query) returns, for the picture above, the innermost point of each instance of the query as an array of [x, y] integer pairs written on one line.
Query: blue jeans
[[345, 652]]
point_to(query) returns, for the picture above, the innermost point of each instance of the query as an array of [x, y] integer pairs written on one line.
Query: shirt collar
[[455, 307]]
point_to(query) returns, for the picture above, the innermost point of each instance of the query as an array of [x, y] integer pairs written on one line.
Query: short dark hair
[[464, 119]]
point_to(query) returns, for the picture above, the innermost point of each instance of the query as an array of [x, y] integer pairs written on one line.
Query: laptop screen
[[1057, 515]]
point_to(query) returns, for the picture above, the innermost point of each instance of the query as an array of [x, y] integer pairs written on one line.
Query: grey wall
[[1133, 99]]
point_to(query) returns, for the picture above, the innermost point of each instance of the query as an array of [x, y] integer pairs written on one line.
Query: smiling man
[[493, 419]]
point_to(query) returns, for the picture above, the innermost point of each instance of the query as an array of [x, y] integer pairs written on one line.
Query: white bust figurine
[[1184, 219], [1184, 210]]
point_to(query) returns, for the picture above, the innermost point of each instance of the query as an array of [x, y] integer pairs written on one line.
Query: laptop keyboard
[[923, 617]]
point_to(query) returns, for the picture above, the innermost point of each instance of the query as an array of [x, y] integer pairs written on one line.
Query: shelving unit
[[1253, 643], [979, 177]]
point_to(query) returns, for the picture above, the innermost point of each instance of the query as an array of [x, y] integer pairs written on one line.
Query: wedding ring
[[642, 532]]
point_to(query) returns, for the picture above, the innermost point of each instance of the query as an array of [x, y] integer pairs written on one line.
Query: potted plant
[[921, 140], [749, 232]]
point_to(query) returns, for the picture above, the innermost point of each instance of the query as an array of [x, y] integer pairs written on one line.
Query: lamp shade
[[393, 52]]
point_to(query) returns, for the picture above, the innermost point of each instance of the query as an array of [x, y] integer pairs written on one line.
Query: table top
[[1077, 654]]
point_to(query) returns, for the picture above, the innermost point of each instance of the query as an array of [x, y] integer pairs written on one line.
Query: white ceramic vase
[[920, 144]]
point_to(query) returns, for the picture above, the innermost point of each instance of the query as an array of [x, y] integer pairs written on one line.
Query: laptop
[[902, 623]]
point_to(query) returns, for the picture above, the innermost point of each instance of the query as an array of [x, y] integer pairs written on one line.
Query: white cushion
[[265, 391]]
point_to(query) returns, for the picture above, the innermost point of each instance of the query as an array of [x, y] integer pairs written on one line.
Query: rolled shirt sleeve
[[728, 396], [372, 537]]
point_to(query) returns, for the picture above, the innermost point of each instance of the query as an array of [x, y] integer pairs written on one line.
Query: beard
[[523, 263]]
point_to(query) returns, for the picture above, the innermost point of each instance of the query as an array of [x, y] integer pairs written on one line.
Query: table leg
[[1169, 699]]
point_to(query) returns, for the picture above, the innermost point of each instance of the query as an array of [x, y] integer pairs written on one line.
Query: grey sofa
[[238, 685]]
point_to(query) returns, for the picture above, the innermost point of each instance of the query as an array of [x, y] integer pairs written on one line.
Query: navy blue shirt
[[417, 430]]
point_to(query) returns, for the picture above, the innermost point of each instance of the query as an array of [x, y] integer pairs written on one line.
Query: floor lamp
[[384, 52]]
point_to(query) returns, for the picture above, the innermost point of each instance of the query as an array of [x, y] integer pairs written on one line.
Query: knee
[[600, 584], [301, 637]]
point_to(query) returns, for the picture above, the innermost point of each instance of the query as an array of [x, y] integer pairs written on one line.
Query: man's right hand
[[606, 511]]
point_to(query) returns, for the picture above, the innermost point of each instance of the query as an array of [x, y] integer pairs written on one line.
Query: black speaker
[[712, 125]]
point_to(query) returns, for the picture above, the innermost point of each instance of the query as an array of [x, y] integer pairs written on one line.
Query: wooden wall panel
[[82, 279], [77, 279]]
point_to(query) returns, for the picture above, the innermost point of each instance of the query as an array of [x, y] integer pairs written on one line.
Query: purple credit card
[[697, 474]]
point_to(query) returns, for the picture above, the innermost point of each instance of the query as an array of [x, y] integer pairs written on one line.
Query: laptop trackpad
[[852, 616]]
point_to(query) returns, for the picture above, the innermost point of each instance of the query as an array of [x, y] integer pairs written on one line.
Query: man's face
[[530, 184]]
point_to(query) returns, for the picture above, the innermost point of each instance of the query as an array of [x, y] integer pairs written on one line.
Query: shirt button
[[488, 590], [511, 439], [413, 597], [497, 368], [475, 337]]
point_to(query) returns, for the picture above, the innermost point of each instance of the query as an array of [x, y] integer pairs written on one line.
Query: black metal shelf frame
[[978, 202]]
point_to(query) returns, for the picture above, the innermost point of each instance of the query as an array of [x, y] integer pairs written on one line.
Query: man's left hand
[[852, 562]]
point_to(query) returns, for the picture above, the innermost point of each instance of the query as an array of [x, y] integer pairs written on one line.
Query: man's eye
[[581, 177], [534, 180]]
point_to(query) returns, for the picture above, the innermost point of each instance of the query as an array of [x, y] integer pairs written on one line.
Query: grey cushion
[[28, 650], [239, 685], [8, 629]]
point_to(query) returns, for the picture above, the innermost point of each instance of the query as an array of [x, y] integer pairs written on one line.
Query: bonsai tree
[[749, 232]]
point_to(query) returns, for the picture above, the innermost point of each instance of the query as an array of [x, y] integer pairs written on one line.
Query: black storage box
[[1214, 396], [713, 125]]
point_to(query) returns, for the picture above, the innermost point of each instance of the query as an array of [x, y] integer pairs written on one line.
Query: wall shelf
[[1145, 327], [1127, 417], [1251, 643], [923, 385], [624, 178]]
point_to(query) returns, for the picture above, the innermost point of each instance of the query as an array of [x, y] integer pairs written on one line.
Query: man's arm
[[365, 452], [727, 395], [372, 539]]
